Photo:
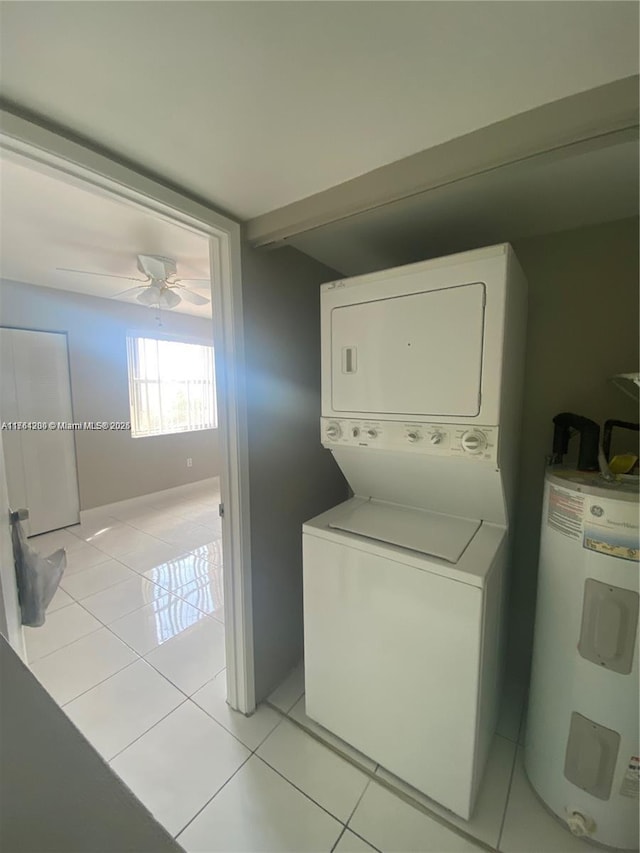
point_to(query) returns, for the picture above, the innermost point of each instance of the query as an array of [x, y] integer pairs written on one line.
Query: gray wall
[[112, 466], [582, 329], [291, 477], [56, 793]]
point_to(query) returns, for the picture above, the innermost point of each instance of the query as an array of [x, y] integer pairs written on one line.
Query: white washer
[[402, 648], [404, 583]]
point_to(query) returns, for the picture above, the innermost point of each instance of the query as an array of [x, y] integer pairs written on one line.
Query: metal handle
[[18, 515]]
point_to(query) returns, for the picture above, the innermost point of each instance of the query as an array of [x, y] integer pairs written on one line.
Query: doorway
[[48, 153]]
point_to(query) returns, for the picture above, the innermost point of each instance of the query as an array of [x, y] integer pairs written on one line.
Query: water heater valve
[[580, 825]]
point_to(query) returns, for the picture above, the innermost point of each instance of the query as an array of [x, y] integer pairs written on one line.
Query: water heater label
[[631, 780], [565, 513], [611, 528]]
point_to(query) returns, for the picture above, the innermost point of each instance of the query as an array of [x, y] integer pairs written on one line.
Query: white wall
[[112, 466]]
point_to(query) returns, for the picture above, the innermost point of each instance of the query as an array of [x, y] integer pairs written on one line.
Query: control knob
[[436, 437], [355, 431], [334, 431], [413, 436], [372, 433], [473, 442]]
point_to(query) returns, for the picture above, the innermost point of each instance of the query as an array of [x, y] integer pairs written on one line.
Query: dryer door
[[415, 354]]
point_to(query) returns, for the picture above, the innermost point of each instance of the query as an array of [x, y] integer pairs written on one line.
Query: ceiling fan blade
[[157, 266], [192, 297], [128, 290], [104, 274], [178, 280]]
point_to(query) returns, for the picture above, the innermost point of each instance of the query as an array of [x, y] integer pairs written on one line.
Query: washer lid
[[430, 533]]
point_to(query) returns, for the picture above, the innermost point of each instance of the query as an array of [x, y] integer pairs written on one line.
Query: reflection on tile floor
[[176, 573], [133, 649], [206, 593], [147, 587], [137, 627]]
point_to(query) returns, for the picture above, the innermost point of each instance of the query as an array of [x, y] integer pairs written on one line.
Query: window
[[171, 386]]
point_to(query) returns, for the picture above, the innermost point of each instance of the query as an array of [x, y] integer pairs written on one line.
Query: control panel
[[476, 442]]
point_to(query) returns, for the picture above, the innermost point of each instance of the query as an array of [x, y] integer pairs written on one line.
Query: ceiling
[[49, 222], [517, 201], [254, 105]]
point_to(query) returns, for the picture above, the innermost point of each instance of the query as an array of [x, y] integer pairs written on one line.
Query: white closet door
[[41, 464], [11, 439]]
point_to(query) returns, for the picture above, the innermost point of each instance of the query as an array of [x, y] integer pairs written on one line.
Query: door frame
[[79, 164]]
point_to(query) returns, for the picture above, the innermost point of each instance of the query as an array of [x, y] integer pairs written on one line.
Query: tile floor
[[133, 650], [391, 816]]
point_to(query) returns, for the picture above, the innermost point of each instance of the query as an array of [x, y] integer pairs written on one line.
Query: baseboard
[[174, 491]]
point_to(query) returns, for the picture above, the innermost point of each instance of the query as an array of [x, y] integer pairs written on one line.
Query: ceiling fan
[[160, 287]]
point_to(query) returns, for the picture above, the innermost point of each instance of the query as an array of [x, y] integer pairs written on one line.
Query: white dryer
[[404, 583]]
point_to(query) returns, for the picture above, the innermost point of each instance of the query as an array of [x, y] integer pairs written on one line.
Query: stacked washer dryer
[[404, 583]]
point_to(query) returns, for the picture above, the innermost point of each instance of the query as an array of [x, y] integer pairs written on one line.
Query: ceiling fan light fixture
[[150, 295], [169, 299]]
